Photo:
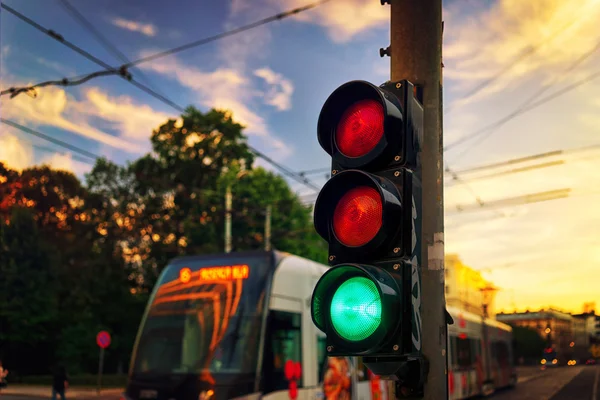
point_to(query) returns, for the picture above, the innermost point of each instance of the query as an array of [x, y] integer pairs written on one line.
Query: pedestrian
[[3, 373], [60, 383]]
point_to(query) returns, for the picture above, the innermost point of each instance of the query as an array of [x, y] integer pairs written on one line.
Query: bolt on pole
[[416, 55]]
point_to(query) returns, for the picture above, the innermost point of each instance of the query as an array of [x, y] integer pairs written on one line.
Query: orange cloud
[[343, 20], [52, 107], [538, 37], [14, 152]]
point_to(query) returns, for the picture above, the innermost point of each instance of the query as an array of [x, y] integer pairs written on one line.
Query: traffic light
[[368, 303]]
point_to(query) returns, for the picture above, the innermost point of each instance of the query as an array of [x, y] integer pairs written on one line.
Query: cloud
[[280, 93], [18, 154], [135, 121], [14, 152], [229, 89], [52, 107], [343, 20], [518, 38], [67, 163], [145, 29]]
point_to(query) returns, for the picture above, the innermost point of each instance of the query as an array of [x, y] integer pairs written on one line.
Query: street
[[565, 383]]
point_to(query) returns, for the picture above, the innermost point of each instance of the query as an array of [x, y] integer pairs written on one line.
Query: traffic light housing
[[368, 303]]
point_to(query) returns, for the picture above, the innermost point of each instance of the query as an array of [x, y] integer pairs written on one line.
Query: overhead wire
[[494, 78], [50, 139], [530, 103], [235, 31], [121, 71], [54, 151], [103, 40], [522, 56]]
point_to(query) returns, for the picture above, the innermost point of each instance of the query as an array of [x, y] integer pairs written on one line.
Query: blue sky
[[275, 79]]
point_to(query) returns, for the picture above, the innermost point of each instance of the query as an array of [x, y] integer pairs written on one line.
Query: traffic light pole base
[[408, 374]]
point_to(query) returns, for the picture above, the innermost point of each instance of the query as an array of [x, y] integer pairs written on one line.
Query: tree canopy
[[76, 258]]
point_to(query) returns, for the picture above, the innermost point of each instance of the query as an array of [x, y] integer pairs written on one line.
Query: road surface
[[563, 383]]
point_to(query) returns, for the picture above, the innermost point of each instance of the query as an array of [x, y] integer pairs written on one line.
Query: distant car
[[571, 362], [590, 361], [549, 362]]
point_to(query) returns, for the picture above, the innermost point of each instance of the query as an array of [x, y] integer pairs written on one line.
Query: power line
[[314, 171], [529, 104], [517, 170], [160, 97], [524, 54], [533, 157], [63, 82], [121, 71], [519, 200], [53, 151], [201, 42], [187, 46], [49, 138], [102, 39]]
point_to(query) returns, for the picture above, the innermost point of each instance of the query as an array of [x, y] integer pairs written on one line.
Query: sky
[[275, 79]]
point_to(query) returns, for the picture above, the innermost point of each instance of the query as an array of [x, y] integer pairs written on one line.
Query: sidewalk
[[46, 391], [528, 373]]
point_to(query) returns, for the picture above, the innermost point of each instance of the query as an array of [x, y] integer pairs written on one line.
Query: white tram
[[238, 325]]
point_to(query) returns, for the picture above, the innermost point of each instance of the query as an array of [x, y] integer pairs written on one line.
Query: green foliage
[[76, 259]]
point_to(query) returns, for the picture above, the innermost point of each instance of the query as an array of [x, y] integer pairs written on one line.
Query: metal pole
[[268, 229], [487, 348], [228, 220], [416, 55], [100, 367]]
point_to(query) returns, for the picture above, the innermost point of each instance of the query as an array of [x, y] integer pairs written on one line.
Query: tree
[[291, 221], [528, 343], [28, 292]]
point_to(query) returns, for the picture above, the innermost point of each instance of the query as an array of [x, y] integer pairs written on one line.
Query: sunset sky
[[275, 78]]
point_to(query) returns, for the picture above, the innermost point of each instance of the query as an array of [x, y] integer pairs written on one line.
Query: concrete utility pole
[[268, 229], [416, 55], [228, 219]]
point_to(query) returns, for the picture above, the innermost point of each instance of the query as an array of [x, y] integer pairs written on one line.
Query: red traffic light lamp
[[362, 215], [365, 126]]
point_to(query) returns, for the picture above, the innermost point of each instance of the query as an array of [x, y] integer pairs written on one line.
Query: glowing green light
[[356, 309]]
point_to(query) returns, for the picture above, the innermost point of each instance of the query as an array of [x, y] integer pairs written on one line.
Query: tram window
[[284, 342], [453, 361], [463, 353]]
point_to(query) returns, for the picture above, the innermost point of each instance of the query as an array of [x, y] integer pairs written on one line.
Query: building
[[585, 332], [555, 326], [583, 325], [466, 288]]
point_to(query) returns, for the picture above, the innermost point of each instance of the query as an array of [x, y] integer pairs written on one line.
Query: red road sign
[[103, 339]]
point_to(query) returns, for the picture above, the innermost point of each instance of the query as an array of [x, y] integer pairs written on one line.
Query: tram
[[477, 366], [238, 325]]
